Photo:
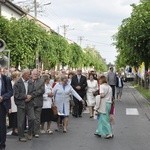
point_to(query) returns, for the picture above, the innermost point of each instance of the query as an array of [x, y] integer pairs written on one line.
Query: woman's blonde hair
[[103, 79], [15, 74], [63, 77]]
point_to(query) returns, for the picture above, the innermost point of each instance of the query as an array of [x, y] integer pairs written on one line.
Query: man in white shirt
[[23, 96]]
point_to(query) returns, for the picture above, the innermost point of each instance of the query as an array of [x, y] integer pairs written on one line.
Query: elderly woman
[[47, 114], [103, 107], [62, 91]]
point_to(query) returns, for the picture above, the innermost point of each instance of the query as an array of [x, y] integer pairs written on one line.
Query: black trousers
[[78, 107], [13, 120], [2, 126], [113, 91]]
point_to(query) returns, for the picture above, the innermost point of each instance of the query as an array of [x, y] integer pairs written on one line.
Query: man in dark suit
[[39, 89], [79, 83], [5, 94], [23, 97]]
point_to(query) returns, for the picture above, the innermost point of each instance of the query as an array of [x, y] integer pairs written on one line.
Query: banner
[[141, 71]]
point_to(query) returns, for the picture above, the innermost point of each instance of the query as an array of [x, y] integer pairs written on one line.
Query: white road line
[[132, 111]]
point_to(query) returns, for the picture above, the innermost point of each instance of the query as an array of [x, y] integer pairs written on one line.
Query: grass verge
[[143, 91]]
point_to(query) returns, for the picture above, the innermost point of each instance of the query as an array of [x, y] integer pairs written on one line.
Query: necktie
[[78, 79]]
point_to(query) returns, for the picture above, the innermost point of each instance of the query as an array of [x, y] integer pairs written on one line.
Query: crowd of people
[[29, 97]]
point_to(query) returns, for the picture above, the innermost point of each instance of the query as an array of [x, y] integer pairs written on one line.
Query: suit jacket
[[39, 90], [20, 93], [6, 91], [117, 81], [82, 84]]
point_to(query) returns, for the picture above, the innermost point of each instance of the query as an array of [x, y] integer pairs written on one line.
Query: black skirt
[[46, 115]]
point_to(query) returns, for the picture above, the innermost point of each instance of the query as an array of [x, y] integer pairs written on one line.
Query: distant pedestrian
[[5, 94], [111, 79], [119, 86]]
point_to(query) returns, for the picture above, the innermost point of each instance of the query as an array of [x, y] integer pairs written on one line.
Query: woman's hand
[[50, 94], [112, 119], [10, 111]]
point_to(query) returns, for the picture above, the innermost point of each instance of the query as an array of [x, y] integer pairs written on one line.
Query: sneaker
[[14, 133], [42, 131], [22, 139], [36, 135], [29, 137], [49, 131], [109, 136]]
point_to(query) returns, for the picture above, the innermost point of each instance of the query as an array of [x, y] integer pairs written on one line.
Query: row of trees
[[25, 39], [133, 37]]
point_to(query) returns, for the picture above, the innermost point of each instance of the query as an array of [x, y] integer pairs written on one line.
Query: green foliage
[[25, 39], [93, 59], [132, 39]]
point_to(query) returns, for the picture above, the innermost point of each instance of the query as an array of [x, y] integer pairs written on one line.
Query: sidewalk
[[143, 103]]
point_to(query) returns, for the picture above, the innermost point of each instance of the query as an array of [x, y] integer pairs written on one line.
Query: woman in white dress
[[47, 114], [61, 92], [13, 111], [92, 86]]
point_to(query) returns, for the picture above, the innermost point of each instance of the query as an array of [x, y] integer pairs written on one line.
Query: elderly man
[[39, 90], [79, 83], [23, 97], [5, 94]]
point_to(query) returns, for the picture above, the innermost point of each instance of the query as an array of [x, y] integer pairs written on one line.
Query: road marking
[[132, 111]]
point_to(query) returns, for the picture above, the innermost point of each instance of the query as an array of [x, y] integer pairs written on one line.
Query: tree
[[132, 39]]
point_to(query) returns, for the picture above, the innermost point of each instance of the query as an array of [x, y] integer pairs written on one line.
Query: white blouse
[[47, 101]]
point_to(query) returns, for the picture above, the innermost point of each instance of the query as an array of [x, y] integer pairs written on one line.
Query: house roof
[[13, 7], [21, 12]]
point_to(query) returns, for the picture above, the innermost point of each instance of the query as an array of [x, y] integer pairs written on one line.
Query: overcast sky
[[93, 20]]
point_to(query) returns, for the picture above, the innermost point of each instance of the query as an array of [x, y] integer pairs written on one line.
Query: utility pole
[[58, 29], [80, 39], [35, 15], [37, 51], [65, 29], [35, 8]]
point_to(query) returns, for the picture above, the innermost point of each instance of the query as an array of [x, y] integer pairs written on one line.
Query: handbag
[[96, 93], [54, 109]]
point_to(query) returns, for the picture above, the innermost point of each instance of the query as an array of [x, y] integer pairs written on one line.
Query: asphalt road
[[131, 130]]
